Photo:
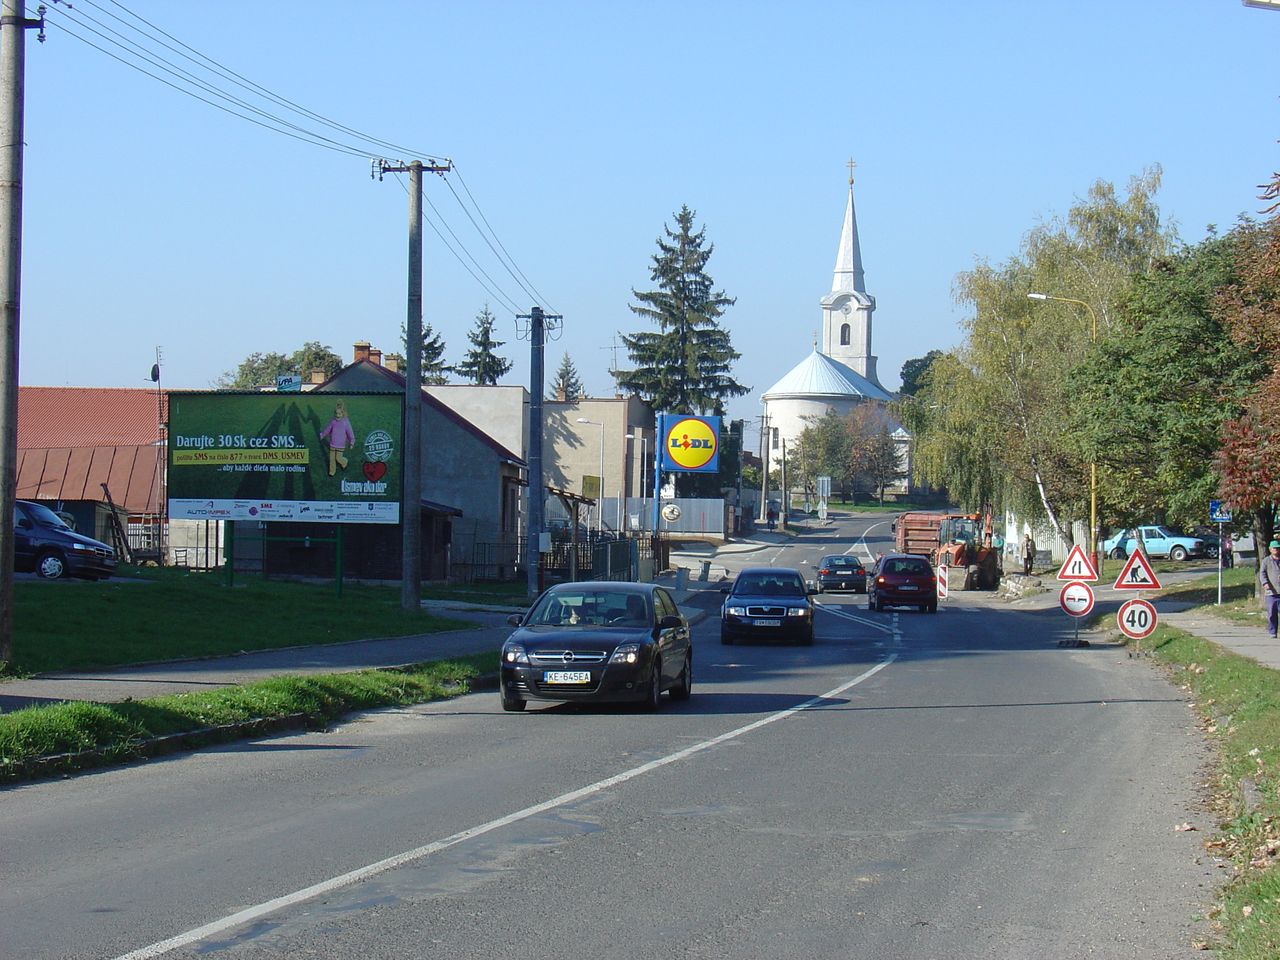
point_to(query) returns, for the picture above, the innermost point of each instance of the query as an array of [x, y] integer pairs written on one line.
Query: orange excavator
[[965, 542]]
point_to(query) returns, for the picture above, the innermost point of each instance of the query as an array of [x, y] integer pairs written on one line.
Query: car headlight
[[514, 653], [80, 546], [627, 653], [798, 612], [736, 611]]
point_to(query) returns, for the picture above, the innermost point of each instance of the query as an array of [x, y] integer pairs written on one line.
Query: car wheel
[[653, 690], [684, 686], [1178, 553], [1211, 552], [933, 607], [512, 704], [807, 639], [1119, 554], [51, 565]]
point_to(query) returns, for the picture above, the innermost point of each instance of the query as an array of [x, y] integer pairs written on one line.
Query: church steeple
[[848, 272]]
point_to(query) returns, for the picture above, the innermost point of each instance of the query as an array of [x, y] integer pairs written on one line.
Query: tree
[[261, 369], [434, 370], [872, 452], [482, 365], [685, 366], [914, 372], [567, 385]]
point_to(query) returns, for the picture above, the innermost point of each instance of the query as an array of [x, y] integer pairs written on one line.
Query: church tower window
[[844, 334], [775, 438]]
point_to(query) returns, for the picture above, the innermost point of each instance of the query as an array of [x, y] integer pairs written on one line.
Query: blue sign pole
[[658, 441]]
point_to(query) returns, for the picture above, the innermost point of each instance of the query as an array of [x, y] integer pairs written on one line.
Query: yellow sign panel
[[590, 486], [219, 457], [691, 443]]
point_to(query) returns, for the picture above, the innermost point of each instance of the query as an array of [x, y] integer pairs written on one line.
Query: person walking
[[1028, 554], [1269, 578], [1227, 551]]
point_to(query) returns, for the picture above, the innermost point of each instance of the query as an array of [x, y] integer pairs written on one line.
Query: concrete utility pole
[[13, 37], [764, 468], [411, 505], [539, 323]]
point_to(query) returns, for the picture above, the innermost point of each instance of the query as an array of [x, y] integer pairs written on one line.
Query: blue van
[[43, 543]]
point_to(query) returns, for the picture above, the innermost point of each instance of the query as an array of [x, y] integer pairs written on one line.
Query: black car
[[767, 603], [596, 641], [842, 571], [43, 543]]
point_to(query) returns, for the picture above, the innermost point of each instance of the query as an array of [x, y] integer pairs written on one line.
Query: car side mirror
[[724, 587], [669, 621], [24, 524], [515, 620]]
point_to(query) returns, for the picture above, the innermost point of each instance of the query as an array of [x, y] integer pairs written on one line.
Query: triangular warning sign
[[1137, 574], [1078, 566]]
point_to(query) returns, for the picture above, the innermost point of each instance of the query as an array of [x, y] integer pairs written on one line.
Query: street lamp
[[600, 500], [644, 471], [1093, 465]]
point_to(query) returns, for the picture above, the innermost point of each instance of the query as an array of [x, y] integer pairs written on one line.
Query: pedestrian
[[772, 516], [1228, 555], [1028, 554], [1269, 578]]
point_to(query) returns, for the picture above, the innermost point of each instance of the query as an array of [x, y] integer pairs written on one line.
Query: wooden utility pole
[[13, 37], [411, 504]]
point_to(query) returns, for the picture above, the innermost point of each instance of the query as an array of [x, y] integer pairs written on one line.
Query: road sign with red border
[[1136, 618], [1137, 574], [942, 581], [1076, 599], [1078, 566]]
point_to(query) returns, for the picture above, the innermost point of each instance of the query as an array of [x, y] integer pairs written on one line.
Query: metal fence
[[608, 558], [634, 516]]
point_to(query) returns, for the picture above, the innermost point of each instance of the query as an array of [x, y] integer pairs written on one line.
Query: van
[[43, 543]]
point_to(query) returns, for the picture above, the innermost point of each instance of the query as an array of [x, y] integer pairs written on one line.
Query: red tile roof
[[74, 417]]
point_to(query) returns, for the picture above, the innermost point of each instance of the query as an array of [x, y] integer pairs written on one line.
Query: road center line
[[426, 850]]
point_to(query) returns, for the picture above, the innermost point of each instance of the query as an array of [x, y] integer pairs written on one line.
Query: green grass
[[79, 734], [174, 614]]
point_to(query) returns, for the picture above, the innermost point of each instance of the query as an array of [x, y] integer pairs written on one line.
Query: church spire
[[848, 273]]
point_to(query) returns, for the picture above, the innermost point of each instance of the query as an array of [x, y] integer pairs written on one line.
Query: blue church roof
[[817, 375]]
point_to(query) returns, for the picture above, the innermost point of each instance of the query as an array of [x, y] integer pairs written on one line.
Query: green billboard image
[[302, 457]]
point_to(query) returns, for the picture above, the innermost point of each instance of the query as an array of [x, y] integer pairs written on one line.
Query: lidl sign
[[690, 444]]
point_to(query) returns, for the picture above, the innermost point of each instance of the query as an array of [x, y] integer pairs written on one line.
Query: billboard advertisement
[[303, 457], [690, 444]]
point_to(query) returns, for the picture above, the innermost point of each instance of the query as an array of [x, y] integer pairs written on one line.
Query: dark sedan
[[901, 580], [842, 571], [767, 603], [598, 641]]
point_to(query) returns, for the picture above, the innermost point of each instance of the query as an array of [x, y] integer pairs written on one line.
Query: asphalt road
[[912, 786]]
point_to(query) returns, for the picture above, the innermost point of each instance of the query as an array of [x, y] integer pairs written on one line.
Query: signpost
[[1221, 516], [1136, 618], [1137, 574], [942, 581], [1078, 566], [1076, 600]]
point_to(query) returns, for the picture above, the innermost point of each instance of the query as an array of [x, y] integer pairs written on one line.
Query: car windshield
[[906, 565], [591, 608], [840, 561], [44, 516], [1167, 533], [769, 585]]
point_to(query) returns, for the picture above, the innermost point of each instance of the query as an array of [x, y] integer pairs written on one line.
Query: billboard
[[303, 457], [690, 444]]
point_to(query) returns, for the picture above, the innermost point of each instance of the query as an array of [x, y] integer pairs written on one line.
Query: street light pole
[[600, 501], [643, 465], [1093, 464]]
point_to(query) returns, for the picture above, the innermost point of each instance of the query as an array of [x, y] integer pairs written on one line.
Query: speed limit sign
[[1136, 618]]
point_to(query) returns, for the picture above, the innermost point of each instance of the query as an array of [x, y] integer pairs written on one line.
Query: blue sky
[[152, 219]]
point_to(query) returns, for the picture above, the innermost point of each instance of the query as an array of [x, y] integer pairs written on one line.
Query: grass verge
[[77, 735], [171, 614], [1238, 701]]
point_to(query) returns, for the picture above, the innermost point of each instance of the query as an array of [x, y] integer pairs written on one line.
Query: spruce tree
[[685, 366], [482, 365], [434, 370], [567, 385]]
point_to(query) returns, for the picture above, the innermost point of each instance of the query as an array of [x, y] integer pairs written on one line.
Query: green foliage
[[482, 365], [434, 369], [915, 371], [261, 369], [567, 385], [685, 366]]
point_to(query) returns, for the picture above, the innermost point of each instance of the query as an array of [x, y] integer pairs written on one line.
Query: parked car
[[43, 543], [901, 580], [767, 603], [597, 641], [842, 571], [1159, 542]]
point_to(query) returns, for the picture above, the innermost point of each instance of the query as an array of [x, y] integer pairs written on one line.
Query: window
[[774, 440], [844, 334]]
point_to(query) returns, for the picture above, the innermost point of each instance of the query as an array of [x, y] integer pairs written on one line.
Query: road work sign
[[1137, 574], [1078, 566]]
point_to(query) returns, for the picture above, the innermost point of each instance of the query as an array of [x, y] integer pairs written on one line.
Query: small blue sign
[[1217, 513]]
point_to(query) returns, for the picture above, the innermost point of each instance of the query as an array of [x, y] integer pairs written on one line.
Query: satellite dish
[[155, 373]]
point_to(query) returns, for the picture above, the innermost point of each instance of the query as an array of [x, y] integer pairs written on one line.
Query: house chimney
[[392, 363], [362, 351], [317, 376], [375, 355]]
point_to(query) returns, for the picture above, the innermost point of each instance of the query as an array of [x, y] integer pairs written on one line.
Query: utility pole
[[764, 468], [411, 505], [13, 37], [539, 324]]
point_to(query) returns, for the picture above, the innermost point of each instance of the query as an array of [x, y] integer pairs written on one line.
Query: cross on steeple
[[851, 165]]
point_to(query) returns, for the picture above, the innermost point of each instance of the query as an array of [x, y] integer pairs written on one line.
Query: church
[[840, 373]]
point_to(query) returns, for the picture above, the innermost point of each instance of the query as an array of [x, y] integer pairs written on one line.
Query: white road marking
[[862, 541], [841, 612], [426, 850]]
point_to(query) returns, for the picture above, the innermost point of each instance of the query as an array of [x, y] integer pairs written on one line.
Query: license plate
[[767, 623], [566, 676], [908, 586]]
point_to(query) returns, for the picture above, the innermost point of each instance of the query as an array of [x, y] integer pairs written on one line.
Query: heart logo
[[374, 471]]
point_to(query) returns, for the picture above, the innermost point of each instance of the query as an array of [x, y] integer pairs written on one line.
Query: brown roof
[[74, 417], [131, 473]]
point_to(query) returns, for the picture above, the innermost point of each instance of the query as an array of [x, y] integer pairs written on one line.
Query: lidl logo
[[691, 443]]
